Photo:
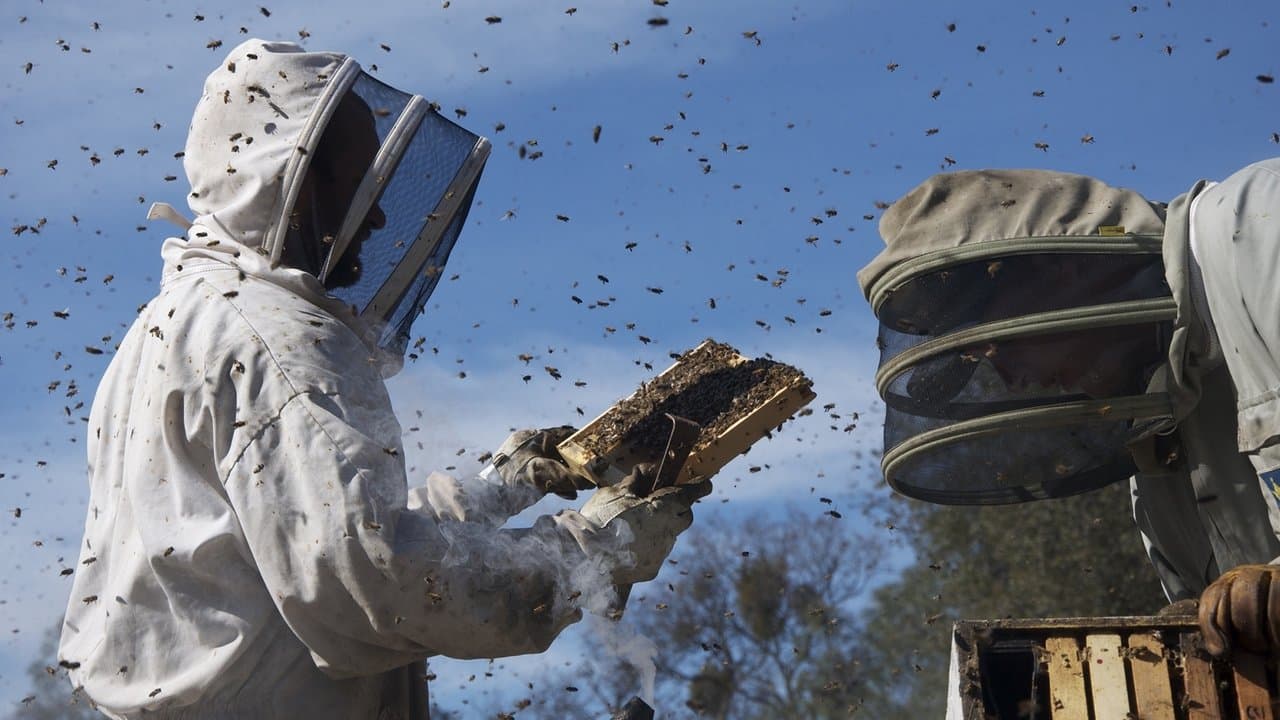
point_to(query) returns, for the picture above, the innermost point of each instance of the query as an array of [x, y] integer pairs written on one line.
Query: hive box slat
[[1253, 700], [1068, 700], [1108, 684], [1202, 701], [1152, 690]]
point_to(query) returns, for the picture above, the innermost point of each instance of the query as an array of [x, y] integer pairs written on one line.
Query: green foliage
[[762, 589], [781, 618], [757, 621], [802, 617]]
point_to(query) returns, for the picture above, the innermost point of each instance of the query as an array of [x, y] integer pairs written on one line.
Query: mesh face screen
[[407, 219], [994, 289], [1030, 367], [395, 335], [1018, 465], [997, 375]]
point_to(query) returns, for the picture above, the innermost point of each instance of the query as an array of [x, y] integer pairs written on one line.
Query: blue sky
[[738, 140]]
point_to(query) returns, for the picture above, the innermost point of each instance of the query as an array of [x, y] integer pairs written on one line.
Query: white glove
[[529, 457], [651, 523]]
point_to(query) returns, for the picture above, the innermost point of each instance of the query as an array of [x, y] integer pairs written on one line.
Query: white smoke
[[584, 579], [614, 635], [621, 639]]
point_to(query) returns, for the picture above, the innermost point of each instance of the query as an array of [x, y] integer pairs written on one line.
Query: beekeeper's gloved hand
[[645, 526], [1241, 611], [529, 457]]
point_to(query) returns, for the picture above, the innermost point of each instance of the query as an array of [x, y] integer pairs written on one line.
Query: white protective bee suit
[[251, 549], [1205, 514]]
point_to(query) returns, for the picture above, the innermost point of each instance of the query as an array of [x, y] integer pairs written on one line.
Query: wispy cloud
[[142, 63]]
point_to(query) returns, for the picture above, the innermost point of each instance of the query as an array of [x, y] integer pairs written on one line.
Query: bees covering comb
[[736, 400]]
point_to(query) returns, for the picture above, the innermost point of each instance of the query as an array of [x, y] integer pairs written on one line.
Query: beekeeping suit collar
[[986, 273], [409, 179]]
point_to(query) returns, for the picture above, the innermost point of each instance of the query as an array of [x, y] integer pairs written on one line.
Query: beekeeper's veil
[[1021, 313], [316, 165]]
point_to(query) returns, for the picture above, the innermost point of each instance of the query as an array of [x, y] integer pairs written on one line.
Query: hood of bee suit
[[998, 292], [398, 181], [259, 114]]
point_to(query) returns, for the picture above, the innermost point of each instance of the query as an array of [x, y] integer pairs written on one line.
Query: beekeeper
[[1044, 334], [251, 549]]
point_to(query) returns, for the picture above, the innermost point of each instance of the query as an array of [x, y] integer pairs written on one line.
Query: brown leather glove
[[1241, 611]]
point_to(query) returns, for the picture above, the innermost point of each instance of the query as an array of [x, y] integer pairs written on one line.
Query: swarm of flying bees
[[769, 216]]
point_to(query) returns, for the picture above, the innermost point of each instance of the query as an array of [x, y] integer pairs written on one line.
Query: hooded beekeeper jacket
[[1219, 505], [251, 549]]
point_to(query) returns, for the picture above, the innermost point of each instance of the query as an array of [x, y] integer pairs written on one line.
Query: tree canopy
[[1074, 557], [791, 617]]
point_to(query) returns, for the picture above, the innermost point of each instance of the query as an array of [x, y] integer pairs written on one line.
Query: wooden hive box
[[1122, 668], [736, 400]]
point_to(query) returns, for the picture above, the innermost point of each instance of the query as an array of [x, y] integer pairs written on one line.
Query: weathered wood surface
[[1202, 700], [1121, 669], [1108, 683], [610, 463], [1067, 697], [1152, 689], [1253, 700]]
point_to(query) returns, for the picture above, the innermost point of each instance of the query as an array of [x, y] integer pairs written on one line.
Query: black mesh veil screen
[[999, 375], [394, 261]]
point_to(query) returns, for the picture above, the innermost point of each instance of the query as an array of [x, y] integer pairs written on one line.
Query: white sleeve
[[483, 498], [369, 584]]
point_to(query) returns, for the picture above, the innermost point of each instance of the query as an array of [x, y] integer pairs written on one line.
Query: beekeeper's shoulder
[[275, 328]]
